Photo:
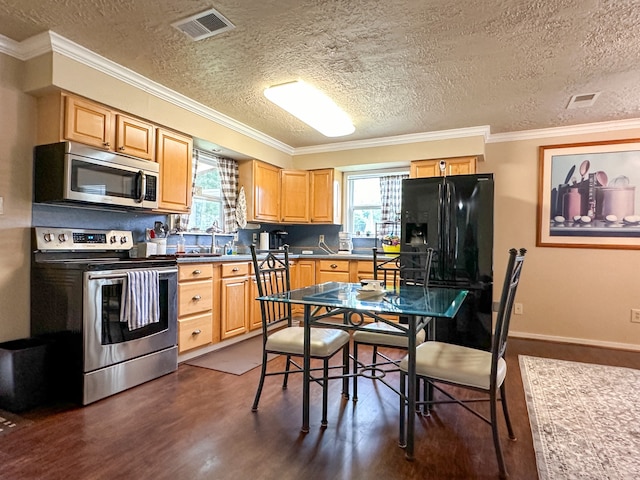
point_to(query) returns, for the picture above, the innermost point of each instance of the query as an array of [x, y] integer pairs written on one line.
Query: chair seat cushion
[[456, 364], [377, 334], [324, 341]]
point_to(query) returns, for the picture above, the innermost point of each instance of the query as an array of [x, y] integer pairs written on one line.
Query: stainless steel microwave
[[71, 172]]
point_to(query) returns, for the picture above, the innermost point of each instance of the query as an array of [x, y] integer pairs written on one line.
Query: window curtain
[[391, 198], [228, 169]]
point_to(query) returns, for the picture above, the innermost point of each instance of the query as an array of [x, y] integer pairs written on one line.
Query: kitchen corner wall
[[17, 138]]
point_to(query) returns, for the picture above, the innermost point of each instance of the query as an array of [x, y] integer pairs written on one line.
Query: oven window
[[115, 331]]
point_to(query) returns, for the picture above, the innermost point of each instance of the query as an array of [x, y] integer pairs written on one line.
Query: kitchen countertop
[[247, 258]]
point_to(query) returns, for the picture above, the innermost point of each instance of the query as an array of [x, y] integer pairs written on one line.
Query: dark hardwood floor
[[197, 424]]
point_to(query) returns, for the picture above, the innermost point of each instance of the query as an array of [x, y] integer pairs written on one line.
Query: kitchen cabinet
[[294, 194], [324, 196], [174, 157], [67, 117], [454, 166], [195, 306], [261, 183], [332, 271], [302, 275], [234, 299]]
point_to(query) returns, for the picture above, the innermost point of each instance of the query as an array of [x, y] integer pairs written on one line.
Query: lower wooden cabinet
[[195, 306], [234, 299], [332, 271]]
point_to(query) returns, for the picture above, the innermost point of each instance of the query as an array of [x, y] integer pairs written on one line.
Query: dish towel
[[140, 299]]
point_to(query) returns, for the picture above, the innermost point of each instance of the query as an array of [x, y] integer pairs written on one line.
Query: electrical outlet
[[635, 315], [254, 239], [320, 238], [517, 309]]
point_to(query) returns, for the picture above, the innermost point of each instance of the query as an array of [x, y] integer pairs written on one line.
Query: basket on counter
[[391, 248]]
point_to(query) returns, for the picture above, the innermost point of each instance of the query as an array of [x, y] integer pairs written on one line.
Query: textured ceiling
[[396, 67]]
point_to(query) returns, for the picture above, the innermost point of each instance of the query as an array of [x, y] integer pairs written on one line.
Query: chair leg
[[505, 410], [402, 439], [263, 372], [285, 380], [325, 392], [355, 371], [496, 435], [427, 396], [345, 371], [374, 357]]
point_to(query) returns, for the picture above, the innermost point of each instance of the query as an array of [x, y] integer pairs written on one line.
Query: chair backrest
[[404, 268], [511, 281], [271, 269]]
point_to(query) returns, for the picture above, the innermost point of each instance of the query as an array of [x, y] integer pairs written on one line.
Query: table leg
[[306, 367], [411, 390]]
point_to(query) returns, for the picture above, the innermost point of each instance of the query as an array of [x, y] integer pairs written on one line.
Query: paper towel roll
[[264, 240]]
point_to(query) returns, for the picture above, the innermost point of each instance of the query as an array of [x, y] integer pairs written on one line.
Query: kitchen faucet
[[214, 229]]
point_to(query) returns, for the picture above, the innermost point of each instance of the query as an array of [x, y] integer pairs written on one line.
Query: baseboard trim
[[577, 341]]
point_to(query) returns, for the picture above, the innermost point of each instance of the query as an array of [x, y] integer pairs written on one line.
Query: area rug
[[237, 359], [10, 422], [585, 419]]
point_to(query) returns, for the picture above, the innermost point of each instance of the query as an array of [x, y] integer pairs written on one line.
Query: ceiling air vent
[[204, 24], [584, 100]]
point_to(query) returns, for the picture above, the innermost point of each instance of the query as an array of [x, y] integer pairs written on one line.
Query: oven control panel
[[59, 239]]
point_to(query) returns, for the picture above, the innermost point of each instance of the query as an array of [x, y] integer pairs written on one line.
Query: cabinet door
[[294, 194], [88, 123], [233, 298], [323, 196], [174, 157], [255, 313], [333, 271], [454, 166], [306, 273], [266, 192], [135, 137]]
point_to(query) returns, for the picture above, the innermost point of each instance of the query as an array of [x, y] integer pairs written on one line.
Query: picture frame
[[587, 195]]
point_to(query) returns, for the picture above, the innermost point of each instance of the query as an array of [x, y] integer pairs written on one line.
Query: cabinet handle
[[197, 298], [106, 144], [196, 332], [234, 269], [121, 148], [197, 272], [333, 265]]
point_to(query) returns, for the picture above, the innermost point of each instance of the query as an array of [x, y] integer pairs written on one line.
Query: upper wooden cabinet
[[261, 183], [325, 196], [454, 166], [67, 117], [294, 194], [174, 156]]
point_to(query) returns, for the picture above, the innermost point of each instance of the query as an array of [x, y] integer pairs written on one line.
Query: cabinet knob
[[121, 148], [196, 332], [234, 269], [106, 144], [197, 297], [197, 272], [333, 265]]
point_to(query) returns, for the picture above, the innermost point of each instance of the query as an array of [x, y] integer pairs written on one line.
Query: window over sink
[[207, 200]]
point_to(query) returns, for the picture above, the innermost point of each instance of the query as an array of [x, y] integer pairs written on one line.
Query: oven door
[[107, 340]]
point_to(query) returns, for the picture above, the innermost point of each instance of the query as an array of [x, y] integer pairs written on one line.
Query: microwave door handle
[[142, 183]]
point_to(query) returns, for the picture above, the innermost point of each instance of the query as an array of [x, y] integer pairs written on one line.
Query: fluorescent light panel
[[312, 107]]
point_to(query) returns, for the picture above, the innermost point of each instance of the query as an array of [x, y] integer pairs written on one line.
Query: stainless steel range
[[77, 281]]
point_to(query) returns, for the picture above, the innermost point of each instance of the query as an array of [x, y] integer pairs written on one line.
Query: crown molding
[[581, 129], [396, 140], [50, 41]]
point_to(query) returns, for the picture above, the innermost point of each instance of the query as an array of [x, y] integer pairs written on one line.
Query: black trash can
[[23, 373]]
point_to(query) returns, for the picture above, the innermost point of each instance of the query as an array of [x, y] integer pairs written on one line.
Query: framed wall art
[[587, 195]]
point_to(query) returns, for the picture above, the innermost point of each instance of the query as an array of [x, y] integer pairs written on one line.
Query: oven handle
[[143, 186], [123, 273]]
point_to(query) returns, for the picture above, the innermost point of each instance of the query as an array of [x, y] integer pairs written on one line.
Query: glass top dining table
[[350, 300]]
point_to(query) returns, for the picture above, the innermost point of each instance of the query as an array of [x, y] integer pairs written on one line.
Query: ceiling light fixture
[[312, 107]]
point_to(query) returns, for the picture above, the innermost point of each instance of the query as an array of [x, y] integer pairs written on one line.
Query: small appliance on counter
[[277, 239], [345, 245]]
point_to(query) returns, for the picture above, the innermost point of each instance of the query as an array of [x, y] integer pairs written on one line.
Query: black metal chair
[[280, 336], [404, 268], [479, 370]]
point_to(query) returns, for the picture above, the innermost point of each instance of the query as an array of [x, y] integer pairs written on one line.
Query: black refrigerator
[[454, 216]]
